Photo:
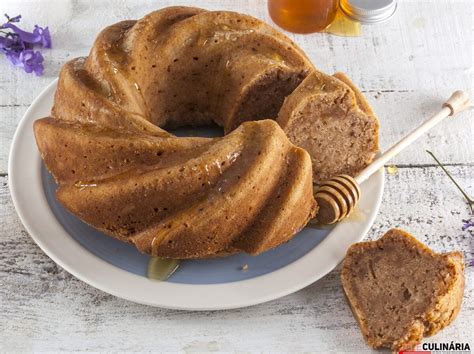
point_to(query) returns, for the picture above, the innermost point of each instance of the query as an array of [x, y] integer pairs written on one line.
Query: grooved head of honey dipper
[[336, 198], [329, 212]]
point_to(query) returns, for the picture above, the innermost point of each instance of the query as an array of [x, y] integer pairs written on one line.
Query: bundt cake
[[121, 172], [401, 291], [330, 118]]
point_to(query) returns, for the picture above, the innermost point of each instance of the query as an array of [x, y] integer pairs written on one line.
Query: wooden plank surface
[[406, 67], [45, 308]]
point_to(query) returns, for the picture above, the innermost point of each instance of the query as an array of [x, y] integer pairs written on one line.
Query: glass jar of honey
[[303, 16]]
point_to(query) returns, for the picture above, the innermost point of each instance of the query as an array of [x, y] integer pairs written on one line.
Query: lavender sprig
[[17, 45], [468, 223]]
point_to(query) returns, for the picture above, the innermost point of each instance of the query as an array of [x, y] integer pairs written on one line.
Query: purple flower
[[28, 59], [31, 61], [8, 43], [12, 46], [44, 34], [18, 45], [38, 36], [467, 224]]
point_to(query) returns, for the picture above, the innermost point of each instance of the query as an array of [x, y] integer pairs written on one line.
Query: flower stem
[[468, 199]]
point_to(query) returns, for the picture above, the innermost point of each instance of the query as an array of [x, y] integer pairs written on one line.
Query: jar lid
[[369, 11]]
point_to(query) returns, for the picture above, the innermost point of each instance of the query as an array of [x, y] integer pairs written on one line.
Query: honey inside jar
[[303, 16]]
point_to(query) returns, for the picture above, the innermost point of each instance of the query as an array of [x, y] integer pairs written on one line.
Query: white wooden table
[[406, 67]]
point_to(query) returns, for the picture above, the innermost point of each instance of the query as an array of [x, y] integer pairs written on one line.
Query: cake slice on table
[[400, 290], [331, 119]]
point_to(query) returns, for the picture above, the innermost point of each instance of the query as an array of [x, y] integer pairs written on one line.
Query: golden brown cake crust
[[400, 291]]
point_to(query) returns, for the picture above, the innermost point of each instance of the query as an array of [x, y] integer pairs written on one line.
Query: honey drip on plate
[[313, 224], [161, 268], [356, 215]]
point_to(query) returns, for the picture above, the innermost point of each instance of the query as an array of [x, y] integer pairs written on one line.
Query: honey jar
[[307, 16], [303, 16]]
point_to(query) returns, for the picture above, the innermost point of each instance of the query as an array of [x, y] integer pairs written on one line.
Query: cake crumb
[[244, 268]]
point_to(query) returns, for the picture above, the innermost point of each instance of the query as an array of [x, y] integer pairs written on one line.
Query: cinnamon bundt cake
[[251, 190], [120, 172], [331, 119]]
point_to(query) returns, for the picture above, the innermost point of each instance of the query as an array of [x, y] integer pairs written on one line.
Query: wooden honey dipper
[[338, 196]]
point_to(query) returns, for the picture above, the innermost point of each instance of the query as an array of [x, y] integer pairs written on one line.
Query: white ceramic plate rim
[[28, 196]]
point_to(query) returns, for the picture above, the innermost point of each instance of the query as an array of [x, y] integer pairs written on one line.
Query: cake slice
[[400, 290], [328, 117]]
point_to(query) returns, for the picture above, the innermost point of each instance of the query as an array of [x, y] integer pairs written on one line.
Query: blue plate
[[119, 269]]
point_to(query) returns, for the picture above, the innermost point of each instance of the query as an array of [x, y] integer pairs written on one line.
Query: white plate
[[201, 285]]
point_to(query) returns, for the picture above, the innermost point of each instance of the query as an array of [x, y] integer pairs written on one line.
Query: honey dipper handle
[[458, 102]]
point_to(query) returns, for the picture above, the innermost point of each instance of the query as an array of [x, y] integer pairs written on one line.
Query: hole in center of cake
[[209, 131]]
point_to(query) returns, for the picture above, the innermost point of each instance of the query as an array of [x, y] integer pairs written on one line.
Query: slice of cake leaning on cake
[[331, 119]]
